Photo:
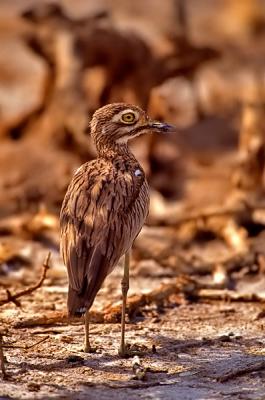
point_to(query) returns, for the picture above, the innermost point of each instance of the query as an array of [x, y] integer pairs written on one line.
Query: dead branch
[[242, 371], [181, 284], [14, 298], [229, 295], [249, 175], [50, 318], [242, 210], [112, 313], [205, 214], [228, 263], [57, 317]]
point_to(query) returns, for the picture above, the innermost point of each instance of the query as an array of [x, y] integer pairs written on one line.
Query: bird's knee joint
[[124, 287]]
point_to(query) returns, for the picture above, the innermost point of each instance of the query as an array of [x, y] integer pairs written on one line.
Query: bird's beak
[[162, 127]]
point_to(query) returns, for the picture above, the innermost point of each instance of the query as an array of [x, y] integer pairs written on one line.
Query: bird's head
[[116, 123]]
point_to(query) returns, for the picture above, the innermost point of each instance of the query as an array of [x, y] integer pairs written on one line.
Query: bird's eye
[[128, 118]]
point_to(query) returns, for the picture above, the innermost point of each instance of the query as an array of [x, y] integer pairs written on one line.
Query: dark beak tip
[[169, 128], [163, 127]]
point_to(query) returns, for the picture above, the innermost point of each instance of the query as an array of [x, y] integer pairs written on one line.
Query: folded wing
[[98, 225]]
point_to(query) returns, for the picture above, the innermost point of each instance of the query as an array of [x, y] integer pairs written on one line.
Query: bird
[[104, 209]]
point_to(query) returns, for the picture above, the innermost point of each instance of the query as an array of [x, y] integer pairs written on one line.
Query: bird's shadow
[[203, 360], [104, 363]]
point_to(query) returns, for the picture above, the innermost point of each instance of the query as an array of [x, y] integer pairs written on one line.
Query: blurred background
[[192, 63], [197, 64]]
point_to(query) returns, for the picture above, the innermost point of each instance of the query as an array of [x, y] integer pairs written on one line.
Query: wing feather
[[97, 225]]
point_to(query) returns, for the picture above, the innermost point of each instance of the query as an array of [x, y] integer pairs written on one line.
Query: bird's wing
[[94, 234]]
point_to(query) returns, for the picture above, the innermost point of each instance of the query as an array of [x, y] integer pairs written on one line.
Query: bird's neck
[[112, 151]]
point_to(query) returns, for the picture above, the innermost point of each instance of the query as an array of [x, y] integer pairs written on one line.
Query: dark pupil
[[129, 117]]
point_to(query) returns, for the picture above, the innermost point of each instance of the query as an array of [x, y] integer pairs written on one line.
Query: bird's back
[[103, 211]]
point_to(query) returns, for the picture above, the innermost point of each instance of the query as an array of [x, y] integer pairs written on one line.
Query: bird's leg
[[87, 348], [124, 288]]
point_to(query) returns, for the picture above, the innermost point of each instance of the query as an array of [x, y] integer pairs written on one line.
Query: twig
[[14, 298], [242, 371], [2, 358], [26, 347]]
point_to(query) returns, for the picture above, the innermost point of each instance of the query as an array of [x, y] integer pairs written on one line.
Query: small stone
[[74, 359], [224, 338], [183, 355], [33, 387], [66, 339]]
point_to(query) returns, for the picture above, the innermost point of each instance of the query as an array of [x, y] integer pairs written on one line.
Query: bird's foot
[[124, 350], [89, 349], [131, 350]]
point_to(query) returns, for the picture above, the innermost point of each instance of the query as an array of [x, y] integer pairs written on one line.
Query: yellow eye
[[128, 118]]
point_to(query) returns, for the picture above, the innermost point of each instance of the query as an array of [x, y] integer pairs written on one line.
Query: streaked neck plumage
[[111, 150]]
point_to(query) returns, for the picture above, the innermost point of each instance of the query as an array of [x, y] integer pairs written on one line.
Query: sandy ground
[[190, 351]]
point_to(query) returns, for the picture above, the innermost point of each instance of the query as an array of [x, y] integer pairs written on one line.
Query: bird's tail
[[77, 303], [81, 301]]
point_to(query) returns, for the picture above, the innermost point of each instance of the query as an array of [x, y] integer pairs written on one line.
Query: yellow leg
[[87, 348], [124, 288]]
